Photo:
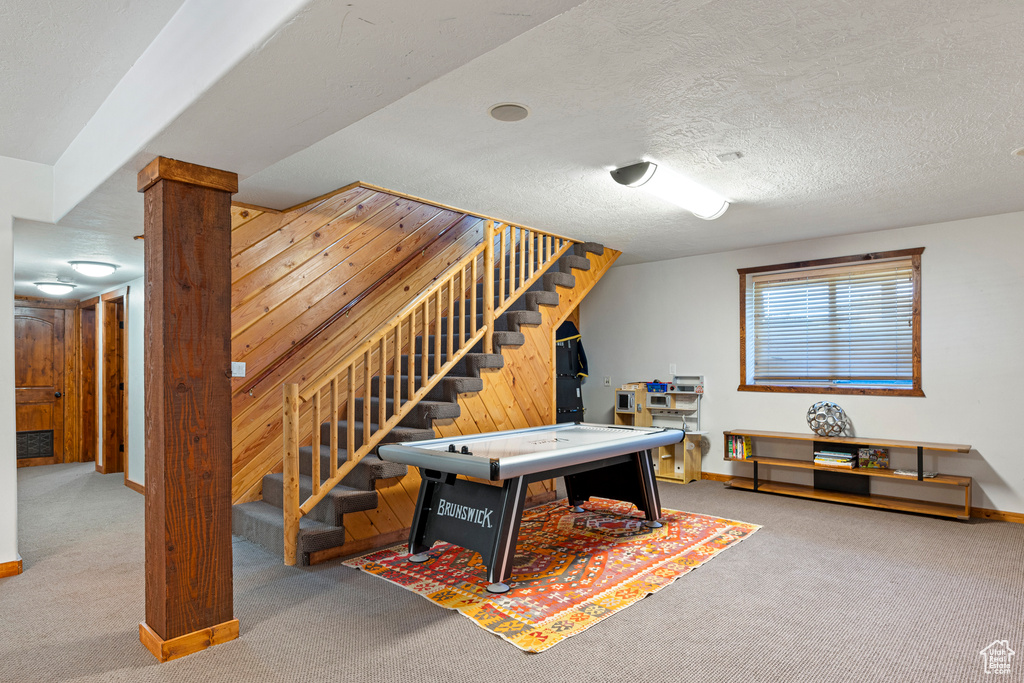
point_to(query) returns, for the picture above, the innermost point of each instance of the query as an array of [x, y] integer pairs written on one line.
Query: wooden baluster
[[382, 383], [511, 261], [316, 443], [522, 258], [533, 256], [472, 302], [424, 365], [501, 268], [290, 501], [397, 385], [366, 396], [350, 414], [410, 379], [437, 332], [463, 300], [451, 316], [335, 418], [489, 286]]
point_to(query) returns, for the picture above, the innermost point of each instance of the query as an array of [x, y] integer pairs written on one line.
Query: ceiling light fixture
[[55, 288], [672, 187], [93, 268]]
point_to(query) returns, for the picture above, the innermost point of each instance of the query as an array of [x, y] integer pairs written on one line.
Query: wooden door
[[39, 384], [114, 437], [87, 363]]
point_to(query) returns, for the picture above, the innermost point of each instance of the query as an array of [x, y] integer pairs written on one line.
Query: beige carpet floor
[[821, 593]]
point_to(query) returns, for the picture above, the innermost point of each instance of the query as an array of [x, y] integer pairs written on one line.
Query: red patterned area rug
[[571, 569]]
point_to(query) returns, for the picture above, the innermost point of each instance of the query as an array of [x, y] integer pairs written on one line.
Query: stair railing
[[524, 255]]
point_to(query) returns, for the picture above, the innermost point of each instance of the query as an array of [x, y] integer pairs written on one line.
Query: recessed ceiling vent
[[509, 112]]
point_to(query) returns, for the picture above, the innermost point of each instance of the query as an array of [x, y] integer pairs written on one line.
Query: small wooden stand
[[666, 457], [869, 500]]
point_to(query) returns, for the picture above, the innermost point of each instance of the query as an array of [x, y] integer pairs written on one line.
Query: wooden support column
[[189, 602]]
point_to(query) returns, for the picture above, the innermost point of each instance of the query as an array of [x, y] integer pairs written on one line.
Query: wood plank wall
[[522, 394], [293, 270]]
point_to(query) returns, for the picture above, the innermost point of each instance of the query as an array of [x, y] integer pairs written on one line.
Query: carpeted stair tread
[[421, 415], [337, 502], [584, 248], [448, 389], [573, 261], [263, 524], [542, 298], [552, 280], [369, 469]]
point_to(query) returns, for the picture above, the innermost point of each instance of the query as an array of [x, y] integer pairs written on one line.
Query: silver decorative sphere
[[826, 419]]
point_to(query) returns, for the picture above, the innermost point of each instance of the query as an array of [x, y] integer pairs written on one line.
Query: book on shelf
[[739, 447], [927, 474], [838, 464]]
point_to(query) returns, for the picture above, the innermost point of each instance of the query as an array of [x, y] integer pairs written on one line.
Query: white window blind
[[845, 324]]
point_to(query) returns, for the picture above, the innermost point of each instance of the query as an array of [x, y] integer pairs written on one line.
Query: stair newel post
[[291, 473], [489, 286]]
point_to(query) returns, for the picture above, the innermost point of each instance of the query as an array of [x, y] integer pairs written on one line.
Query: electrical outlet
[[607, 381], [672, 369], [237, 369]]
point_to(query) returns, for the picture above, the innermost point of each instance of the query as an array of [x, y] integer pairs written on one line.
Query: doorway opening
[[113, 377]]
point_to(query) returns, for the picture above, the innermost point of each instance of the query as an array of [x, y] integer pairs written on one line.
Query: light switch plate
[[237, 369]]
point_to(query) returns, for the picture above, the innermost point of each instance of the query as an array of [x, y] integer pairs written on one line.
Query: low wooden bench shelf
[[867, 500]]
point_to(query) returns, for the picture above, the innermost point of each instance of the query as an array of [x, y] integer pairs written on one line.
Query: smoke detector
[[508, 111]]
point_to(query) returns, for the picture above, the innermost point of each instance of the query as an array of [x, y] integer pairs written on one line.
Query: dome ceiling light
[[93, 268], [54, 288]]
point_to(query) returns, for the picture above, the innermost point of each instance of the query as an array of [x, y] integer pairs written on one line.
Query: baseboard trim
[[998, 515], [714, 476], [12, 568], [138, 488], [190, 643]]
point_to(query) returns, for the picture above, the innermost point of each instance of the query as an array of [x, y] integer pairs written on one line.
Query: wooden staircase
[[444, 369]]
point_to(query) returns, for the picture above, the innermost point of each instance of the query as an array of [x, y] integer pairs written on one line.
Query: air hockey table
[[594, 460]]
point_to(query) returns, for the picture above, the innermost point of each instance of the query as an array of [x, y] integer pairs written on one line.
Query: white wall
[[135, 388], [641, 318], [136, 395], [26, 191]]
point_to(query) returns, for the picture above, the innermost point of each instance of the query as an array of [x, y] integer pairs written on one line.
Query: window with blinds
[[846, 325]]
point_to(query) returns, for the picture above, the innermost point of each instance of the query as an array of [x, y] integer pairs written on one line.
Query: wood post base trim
[[190, 643], [12, 568]]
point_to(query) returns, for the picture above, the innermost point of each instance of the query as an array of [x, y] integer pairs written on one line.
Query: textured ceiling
[[59, 59], [850, 117]]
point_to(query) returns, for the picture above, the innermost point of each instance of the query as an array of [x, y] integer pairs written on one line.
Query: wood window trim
[[915, 389]]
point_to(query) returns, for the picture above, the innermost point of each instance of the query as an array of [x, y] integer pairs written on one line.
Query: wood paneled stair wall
[[435, 354], [309, 284]]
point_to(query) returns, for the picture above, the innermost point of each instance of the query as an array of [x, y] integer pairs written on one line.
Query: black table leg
[[499, 566], [652, 501]]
